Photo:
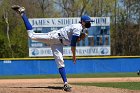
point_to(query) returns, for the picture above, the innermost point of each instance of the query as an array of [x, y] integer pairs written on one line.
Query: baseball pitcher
[[68, 35]]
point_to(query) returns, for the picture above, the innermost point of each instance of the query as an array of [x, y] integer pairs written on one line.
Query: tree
[[124, 14]]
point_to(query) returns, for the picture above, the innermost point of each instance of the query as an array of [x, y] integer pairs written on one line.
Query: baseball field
[[81, 83]]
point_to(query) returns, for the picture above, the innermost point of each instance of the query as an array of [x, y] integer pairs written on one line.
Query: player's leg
[[34, 36], [42, 37], [58, 55], [21, 11], [49, 38]]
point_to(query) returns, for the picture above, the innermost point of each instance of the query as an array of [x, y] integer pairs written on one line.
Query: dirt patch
[[55, 85]]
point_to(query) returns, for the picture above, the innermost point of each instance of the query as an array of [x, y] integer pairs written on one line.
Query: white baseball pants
[[52, 39]]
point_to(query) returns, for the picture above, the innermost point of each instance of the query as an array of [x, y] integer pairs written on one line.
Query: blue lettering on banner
[[53, 22], [35, 52], [99, 21], [44, 52], [66, 51], [87, 51], [104, 50], [59, 21], [67, 21], [40, 22], [48, 52]]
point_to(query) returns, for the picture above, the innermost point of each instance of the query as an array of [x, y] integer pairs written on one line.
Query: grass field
[[96, 75], [123, 85]]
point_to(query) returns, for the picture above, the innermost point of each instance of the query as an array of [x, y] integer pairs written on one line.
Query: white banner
[[97, 42], [61, 22], [80, 51]]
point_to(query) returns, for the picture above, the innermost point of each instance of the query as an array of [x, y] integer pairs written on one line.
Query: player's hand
[[74, 59]]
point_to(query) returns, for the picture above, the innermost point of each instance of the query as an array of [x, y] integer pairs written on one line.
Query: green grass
[[103, 75], [122, 85], [96, 75], [29, 76]]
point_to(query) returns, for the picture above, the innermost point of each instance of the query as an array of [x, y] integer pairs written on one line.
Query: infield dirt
[[55, 85]]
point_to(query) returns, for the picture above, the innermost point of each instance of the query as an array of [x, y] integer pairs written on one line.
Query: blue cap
[[86, 18]]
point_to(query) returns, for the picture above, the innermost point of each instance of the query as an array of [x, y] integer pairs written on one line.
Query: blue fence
[[91, 65]]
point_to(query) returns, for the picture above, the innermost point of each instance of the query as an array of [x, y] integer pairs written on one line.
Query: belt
[[61, 40]]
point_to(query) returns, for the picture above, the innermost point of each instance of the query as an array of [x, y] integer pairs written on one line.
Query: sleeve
[[77, 30], [74, 40]]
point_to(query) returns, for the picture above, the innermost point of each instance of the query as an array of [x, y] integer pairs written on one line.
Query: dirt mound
[[55, 85]]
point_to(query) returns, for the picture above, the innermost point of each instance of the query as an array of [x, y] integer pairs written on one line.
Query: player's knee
[[60, 63]]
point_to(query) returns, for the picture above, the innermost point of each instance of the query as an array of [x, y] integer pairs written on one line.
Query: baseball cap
[[86, 18]]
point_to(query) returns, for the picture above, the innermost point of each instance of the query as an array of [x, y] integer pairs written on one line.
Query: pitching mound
[[55, 85]]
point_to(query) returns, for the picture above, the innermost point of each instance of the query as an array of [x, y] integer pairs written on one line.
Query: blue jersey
[[69, 32]]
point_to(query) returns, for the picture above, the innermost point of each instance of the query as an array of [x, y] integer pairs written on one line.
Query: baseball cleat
[[18, 9], [67, 88]]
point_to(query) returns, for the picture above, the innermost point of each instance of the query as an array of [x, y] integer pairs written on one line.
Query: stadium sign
[[97, 42]]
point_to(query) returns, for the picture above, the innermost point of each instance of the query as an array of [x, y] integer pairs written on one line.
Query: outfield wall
[[32, 66]]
